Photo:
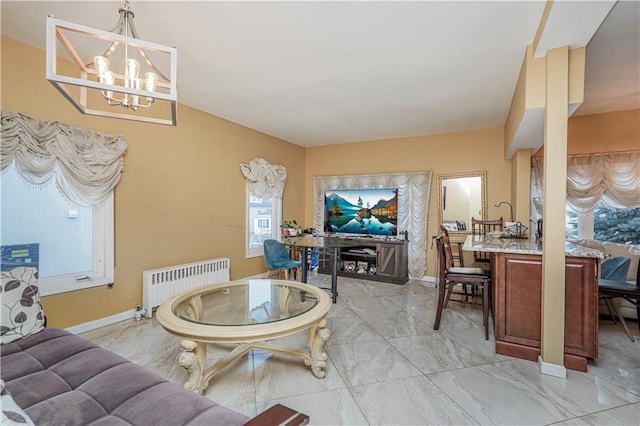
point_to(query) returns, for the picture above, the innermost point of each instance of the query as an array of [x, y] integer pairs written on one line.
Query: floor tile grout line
[[600, 411], [443, 392]]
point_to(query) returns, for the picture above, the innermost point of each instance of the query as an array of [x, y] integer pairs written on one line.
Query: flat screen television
[[362, 211]]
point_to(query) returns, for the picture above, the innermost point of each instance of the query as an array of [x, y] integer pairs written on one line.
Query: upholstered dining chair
[[612, 284], [276, 258], [483, 227], [450, 276]]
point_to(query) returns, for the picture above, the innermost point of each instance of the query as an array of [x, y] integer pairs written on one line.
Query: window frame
[[276, 219], [103, 256]]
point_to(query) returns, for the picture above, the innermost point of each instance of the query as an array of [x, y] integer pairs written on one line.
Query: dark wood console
[[372, 259]]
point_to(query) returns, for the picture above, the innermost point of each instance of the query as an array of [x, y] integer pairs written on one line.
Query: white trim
[[428, 278], [549, 369], [102, 322], [276, 220], [585, 225], [103, 256]]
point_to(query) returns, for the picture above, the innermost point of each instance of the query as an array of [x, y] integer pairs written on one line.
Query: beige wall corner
[[517, 107], [521, 186], [523, 127], [525, 121], [577, 63]]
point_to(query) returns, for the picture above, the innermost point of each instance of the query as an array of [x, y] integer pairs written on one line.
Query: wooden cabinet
[[386, 261], [517, 283]]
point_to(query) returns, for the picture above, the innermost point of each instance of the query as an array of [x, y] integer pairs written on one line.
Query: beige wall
[[472, 150], [613, 131], [607, 132], [181, 197]]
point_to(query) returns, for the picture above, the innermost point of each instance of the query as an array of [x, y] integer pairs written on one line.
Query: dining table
[[326, 246]]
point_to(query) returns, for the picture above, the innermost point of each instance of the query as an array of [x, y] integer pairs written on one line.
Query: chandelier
[[114, 73]]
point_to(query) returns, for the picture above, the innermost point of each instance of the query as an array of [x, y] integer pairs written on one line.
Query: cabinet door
[[387, 262], [517, 288], [517, 293], [581, 310]]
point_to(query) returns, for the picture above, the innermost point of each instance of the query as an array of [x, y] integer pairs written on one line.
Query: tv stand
[[372, 259]]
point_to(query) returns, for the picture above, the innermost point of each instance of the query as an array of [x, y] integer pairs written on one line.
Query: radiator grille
[[159, 285]]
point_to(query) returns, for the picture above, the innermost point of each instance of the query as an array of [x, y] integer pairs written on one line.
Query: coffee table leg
[[317, 335], [192, 359]]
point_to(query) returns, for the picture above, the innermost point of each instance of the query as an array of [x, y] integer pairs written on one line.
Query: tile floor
[[387, 366]]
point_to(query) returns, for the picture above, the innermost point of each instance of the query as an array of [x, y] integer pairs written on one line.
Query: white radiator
[[159, 285]]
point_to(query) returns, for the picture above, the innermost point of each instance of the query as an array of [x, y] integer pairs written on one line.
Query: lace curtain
[[265, 179], [613, 177], [85, 165], [413, 206]]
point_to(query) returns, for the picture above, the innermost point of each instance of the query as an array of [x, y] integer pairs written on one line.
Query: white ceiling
[[317, 73]]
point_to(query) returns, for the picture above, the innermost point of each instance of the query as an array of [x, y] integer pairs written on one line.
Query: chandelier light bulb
[[132, 69], [109, 78], [101, 65], [135, 99], [150, 81]]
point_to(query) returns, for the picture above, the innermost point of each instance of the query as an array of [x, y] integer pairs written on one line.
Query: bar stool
[[449, 276]]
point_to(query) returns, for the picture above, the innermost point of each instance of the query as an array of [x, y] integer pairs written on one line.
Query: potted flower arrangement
[[290, 228]]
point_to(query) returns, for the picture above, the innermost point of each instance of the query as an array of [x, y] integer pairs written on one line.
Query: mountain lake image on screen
[[361, 211]]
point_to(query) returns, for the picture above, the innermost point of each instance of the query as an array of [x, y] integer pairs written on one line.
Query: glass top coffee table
[[247, 313]]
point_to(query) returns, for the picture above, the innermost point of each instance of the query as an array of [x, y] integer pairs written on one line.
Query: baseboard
[[428, 279], [101, 322], [122, 316], [551, 369]]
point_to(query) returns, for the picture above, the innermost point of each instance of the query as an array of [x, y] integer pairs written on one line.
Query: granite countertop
[[523, 246]]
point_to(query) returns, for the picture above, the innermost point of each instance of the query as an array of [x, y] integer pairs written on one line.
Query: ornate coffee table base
[[194, 355]]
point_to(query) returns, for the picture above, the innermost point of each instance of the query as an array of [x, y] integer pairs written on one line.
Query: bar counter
[[516, 268], [523, 246]]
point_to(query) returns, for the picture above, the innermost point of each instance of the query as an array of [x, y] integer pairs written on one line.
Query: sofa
[[53, 377], [631, 251], [58, 378]]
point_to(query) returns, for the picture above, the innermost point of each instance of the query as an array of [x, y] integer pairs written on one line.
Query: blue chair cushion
[[615, 268]]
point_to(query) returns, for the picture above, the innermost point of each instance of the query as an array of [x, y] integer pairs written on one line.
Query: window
[[264, 223], [262, 214], [75, 243], [605, 224]]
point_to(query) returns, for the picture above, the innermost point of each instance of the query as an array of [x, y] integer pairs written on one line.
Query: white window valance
[[612, 177], [264, 179], [85, 165]]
